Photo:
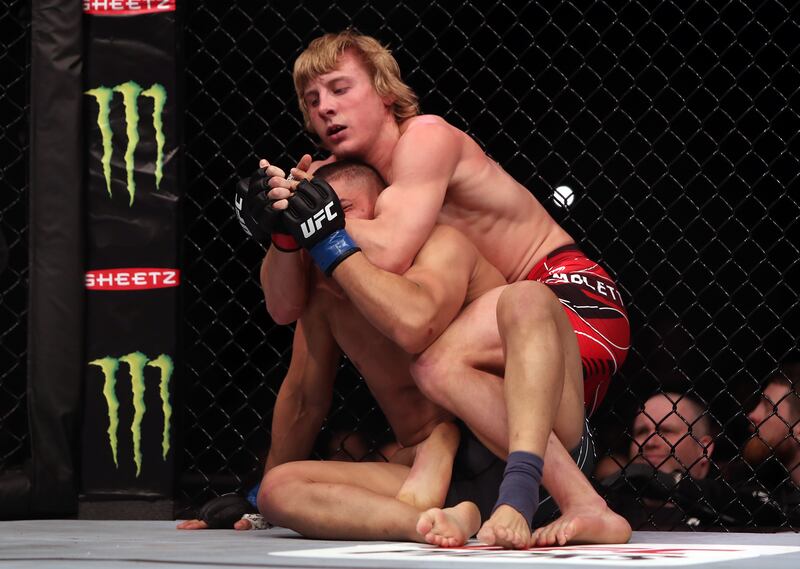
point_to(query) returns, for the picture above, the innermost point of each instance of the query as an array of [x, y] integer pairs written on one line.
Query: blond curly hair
[[322, 55]]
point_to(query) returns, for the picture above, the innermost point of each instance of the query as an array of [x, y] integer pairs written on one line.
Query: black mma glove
[[256, 215], [224, 511], [316, 220]]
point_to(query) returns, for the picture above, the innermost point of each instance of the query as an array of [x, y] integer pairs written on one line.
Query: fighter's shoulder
[[429, 137], [420, 120], [425, 125]]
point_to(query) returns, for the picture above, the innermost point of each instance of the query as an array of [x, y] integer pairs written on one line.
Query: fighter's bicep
[[443, 273], [422, 168]]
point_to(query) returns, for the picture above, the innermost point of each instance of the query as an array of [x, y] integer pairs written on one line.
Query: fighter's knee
[[273, 493], [526, 302], [431, 374]]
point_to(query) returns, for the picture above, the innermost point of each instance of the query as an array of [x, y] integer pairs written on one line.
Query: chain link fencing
[[671, 123], [14, 67]]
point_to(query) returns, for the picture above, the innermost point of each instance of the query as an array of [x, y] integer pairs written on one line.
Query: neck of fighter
[[380, 152]]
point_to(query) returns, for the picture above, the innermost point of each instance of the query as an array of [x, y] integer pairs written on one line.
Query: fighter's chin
[[344, 149]]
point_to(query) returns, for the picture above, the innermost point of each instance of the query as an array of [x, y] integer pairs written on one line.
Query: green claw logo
[[130, 92], [136, 363]]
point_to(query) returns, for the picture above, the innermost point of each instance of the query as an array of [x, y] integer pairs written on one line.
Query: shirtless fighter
[[353, 99], [373, 500]]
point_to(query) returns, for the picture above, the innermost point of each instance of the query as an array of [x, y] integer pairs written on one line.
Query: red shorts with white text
[[594, 307]]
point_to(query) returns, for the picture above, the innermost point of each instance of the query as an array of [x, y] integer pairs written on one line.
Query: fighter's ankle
[[520, 486]]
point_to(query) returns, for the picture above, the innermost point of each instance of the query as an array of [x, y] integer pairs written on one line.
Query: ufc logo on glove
[[315, 219], [314, 223]]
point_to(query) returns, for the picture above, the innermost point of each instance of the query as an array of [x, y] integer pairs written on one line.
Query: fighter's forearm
[[295, 426], [399, 308], [385, 246], [285, 282]]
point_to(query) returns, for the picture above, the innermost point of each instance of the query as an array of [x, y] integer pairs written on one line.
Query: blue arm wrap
[[332, 250]]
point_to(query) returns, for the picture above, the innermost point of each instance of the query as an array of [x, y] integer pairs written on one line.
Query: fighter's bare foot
[[583, 525], [506, 528], [427, 483], [449, 527]]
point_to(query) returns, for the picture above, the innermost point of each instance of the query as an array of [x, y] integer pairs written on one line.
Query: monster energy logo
[[136, 363], [130, 92]]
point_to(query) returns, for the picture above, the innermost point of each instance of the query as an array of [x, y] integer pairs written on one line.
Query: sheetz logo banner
[[127, 7], [136, 363], [130, 93], [132, 279]]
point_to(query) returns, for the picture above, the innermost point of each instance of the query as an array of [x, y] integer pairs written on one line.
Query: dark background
[[673, 123], [673, 127]]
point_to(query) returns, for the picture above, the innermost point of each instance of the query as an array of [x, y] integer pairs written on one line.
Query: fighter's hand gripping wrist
[[316, 220], [256, 215]]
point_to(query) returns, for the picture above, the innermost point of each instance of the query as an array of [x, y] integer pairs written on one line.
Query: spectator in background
[[666, 483], [661, 438], [775, 424], [672, 433]]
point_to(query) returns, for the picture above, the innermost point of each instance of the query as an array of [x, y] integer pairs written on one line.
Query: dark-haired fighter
[[372, 500]]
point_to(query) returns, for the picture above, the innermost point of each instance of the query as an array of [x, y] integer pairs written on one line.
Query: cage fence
[[672, 123], [14, 67]]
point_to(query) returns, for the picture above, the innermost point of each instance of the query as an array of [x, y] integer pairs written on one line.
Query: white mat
[[631, 555]]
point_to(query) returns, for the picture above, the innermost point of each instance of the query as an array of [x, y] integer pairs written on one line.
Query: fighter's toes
[[486, 535], [451, 542], [506, 528], [425, 523], [547, 535], [449, 527], [542, 537]]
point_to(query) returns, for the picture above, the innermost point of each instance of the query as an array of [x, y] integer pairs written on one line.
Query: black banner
[[132, 279], [55, 318]]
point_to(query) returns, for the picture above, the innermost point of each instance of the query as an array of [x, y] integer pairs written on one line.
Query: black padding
[[224, 511]]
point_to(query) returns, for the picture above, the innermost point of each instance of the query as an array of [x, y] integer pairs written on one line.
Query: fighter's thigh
[[380, 477], [472, 338]]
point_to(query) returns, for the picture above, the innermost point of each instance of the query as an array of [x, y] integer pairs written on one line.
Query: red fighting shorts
[[594, 307]]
